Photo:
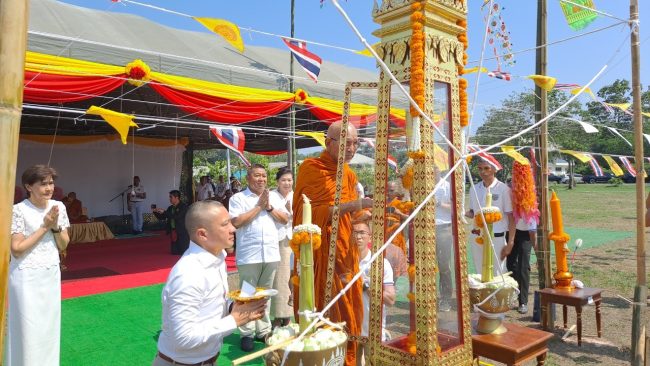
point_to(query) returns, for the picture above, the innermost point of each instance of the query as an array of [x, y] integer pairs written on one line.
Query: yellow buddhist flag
[[645, 114], [580, 156], [511, 152], [229, 31], [474, 69], [545, 82], [366, 52], [616, 169], [318, 136], [121, 122], [575, 91], [622, 106]]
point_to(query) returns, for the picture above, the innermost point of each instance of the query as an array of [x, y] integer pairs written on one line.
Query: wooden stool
[[576, 298], [514, 347]]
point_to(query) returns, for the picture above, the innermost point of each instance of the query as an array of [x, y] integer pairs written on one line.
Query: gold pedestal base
[[563, 280], [490, 326]]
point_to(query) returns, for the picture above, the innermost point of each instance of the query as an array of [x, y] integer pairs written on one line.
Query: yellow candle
[[488, 199], [556, 214], [306, 210]]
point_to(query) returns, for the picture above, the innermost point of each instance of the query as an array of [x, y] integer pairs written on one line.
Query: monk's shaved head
[[332, 141]]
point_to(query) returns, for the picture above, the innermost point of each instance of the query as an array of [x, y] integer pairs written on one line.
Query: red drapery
[[52, 88], [219, 109]]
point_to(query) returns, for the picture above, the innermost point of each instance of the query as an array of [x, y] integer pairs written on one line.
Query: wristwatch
[[269, 209], [58, 230]]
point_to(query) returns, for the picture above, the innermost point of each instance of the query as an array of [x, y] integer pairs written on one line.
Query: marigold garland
[[416, 155], [295, 280], [417, 57], [411, 272], [524, 199], [462, 83], [490, 217], [301, 96], [138, 72], [407, 178], [301, 238], [411, 296]]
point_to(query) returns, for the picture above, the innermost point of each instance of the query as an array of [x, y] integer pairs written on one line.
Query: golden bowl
[[235, 295], [499, 303]]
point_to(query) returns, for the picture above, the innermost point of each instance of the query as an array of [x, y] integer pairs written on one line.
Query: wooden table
[[576, 298], [514, 347]]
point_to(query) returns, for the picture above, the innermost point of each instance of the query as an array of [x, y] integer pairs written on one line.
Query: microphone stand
[[121, 194]]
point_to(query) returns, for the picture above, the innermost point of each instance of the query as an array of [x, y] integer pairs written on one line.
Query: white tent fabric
[[97, 171]]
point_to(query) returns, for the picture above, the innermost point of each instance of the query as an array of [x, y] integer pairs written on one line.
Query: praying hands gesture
[[51, 218], [263, 201], [245, 312]]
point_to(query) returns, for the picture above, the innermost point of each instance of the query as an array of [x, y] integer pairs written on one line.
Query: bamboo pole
[[13, 41], [541, 110], [640, 290]]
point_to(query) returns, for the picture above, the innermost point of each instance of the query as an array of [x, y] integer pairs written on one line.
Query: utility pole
[[13, 41], [640, 290], [541, 110], [291, 147]]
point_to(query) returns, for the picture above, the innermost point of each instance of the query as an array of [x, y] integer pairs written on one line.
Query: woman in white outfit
[[38, 233], [280, 307]]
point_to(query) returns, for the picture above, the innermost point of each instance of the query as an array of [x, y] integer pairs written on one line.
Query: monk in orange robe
[[317, 180]]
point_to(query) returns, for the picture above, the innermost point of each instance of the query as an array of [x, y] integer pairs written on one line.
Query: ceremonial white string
[[56, 129], [251, 30], [393, 78], [375, 255]]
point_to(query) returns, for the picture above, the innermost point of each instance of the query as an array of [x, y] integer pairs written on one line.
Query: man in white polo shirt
[[444, 242], [255, 214], [500, 198]]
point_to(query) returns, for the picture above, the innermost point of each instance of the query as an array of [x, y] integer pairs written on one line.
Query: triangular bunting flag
[[511, 152], [615, 132], [645, 114], [598, 171], [233, 138], [309, 61], [121, 122], [580, 156], [587, 90], [318, 136], [485, 156], [578, 17], [589, 128], [229, 31], [616, 169], [628, 166], [545, 82], [366, 52], [622, 106], [472, 70]]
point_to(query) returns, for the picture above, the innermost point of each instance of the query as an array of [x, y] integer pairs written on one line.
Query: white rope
[[56, 129]]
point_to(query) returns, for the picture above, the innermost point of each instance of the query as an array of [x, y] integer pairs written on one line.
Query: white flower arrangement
[[490, 210], [307, 228], [507, 281], [320, 340]]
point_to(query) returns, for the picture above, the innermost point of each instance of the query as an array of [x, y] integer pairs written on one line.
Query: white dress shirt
[[257, 242], [135, 191], [194, 308], [205, 192], [285, 231], [388, 280], [443, 195], [500, 198]]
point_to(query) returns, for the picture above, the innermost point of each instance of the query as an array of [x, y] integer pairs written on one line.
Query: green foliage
[[615, 182]]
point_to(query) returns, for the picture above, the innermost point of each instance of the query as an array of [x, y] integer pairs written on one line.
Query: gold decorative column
[[423, 44]]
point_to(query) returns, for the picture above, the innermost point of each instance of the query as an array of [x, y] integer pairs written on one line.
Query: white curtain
[[98, 171]]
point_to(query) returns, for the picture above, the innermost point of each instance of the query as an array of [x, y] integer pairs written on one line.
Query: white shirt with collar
[[285, 231], [194, 308], [500, 198], [257, 241], [388, 280], [443, 196]]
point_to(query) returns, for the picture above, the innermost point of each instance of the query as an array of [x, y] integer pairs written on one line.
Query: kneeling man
[[195, 314]]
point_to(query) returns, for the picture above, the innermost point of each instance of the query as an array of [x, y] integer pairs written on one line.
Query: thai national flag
[[309, 61], [485, 156], [598, 171], [628, 166], [232, 138], [392, 162]]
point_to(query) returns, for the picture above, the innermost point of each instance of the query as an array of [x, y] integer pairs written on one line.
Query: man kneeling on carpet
[[195, 314]]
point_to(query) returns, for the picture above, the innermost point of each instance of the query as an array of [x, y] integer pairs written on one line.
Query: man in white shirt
[[362, 235], [444, 243], [137, 197], [222, 187], [205, 189], [519, 259], [195, 314], [256, 214], [501, 198]]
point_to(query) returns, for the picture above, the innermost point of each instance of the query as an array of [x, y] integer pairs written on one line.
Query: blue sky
[[574, 61]]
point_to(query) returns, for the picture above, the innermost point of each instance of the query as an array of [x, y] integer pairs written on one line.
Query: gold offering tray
[[260, 293]]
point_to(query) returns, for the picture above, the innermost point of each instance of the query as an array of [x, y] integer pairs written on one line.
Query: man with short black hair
[[136, 198], [195, 314], [175, 216], [256, 214]]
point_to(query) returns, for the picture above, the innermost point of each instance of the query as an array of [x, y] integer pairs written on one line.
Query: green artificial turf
[[121, 328]]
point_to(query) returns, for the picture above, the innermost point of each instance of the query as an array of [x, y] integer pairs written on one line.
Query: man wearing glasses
[[317, 180]]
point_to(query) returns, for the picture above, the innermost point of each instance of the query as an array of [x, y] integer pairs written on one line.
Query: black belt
[[498, 235], [209, 361]]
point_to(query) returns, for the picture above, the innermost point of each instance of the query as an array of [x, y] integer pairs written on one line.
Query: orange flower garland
[[411, 272], [462, 83], [490, 217], [407, 178], [301, 238], [417, 57], [524, 199]]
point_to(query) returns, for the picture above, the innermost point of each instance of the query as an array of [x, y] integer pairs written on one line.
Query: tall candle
[[306, 210], [488, 199], [556, 214]]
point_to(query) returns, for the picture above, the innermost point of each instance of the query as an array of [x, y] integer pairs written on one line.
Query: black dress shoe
[[247, 344], [263, 338]]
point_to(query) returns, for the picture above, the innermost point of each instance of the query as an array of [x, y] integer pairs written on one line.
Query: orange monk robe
[[317, 180], [393, 222]]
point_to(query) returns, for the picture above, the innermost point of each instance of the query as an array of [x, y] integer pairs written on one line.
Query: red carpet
[[118, 264]]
